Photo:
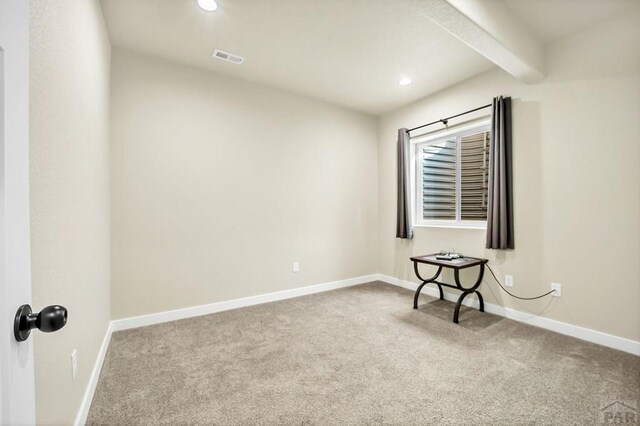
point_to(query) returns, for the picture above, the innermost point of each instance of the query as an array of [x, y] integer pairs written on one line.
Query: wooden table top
[[461, 263]]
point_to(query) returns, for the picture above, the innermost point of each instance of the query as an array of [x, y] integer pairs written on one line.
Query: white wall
[[218, 185], [576, 183], [69, 162]]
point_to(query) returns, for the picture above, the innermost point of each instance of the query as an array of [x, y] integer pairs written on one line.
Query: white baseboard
[[194, 311], [598, 337], [604, 339], [144, 320], [83, 412]]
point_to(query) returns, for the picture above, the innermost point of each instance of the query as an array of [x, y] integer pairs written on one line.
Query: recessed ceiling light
[[405, 81], [208, 5]]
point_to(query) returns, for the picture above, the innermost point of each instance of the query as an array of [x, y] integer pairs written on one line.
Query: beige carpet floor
[[357, 356]]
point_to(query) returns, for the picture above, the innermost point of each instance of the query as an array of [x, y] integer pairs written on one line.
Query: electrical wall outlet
[[74, 363], [508, 280], [558, 289], [296, 267]]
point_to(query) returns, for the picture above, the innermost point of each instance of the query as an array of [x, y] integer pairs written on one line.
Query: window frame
[[416, 173]]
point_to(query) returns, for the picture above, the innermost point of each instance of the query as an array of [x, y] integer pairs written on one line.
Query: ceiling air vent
[[225, 56]]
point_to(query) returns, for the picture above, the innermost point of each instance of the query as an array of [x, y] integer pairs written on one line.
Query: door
[[17, 396]]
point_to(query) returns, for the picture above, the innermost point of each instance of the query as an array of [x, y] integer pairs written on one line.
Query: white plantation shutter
[[439, 171], [453, 178], [474, 176]]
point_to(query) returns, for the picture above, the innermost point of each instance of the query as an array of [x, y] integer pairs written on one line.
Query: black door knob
[[52, 318]]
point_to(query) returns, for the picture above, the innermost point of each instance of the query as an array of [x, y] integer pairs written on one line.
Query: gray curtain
[[500, 201], [403, 220]]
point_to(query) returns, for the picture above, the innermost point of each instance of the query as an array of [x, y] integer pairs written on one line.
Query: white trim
[[460, 225], [416, 164], [194, 311], [598, 337], [83, 412], [17, 383], [160, 317]]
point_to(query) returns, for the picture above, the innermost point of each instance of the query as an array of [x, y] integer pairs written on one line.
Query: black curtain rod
[[446, 120]]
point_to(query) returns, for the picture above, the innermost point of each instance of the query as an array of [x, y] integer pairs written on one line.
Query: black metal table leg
[[415, 297], [456, 311], [425, 282], [466, 291], [441, 291], [481, 301]]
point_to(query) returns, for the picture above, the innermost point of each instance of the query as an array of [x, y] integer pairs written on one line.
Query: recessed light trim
[[208, 5], [405, 81]]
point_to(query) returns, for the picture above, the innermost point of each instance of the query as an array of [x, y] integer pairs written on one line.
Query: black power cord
[[513, 295], [454, 255]]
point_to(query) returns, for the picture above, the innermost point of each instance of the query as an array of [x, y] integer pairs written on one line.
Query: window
[[450, 174]]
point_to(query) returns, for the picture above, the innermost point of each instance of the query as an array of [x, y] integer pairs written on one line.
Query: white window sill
[[452, 226]]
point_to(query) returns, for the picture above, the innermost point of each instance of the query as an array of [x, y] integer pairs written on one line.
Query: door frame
[[17, 387]]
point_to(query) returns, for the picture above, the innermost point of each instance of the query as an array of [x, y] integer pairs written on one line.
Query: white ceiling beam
[[485, 26]]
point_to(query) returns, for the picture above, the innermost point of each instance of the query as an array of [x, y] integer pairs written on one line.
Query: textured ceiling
[[348, 52], [550, 20]]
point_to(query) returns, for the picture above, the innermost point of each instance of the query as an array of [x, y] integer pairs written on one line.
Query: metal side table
[[456, 265]]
